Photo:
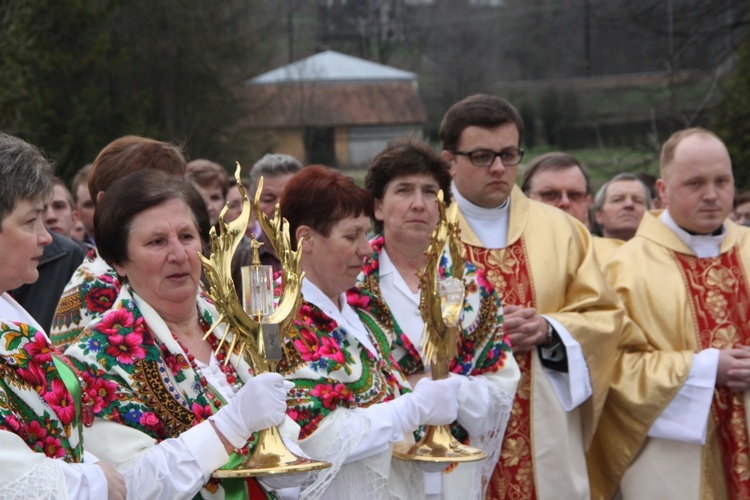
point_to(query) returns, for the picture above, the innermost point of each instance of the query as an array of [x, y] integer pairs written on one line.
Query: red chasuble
[[507, 269], [720, 304]]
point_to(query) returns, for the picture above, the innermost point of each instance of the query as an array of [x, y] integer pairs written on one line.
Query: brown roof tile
[[280, 106]]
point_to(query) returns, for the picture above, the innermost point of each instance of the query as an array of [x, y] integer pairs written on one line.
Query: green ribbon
[[70, 379]]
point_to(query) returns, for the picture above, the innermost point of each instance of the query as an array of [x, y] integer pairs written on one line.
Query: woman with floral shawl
[[94, 286], [150, 373], [41, 447], [404, 180], [349, 397]]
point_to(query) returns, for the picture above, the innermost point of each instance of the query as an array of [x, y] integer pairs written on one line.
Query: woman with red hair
[[350, 398]]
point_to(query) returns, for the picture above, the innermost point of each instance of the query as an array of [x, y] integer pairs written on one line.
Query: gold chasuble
[[678, 305], [549, 264], [604, 248]]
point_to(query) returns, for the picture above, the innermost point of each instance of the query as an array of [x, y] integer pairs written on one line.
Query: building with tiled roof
[[332, 108]]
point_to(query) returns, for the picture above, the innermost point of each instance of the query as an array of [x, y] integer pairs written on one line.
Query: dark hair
[[480, 110], [130, 154], [320, 197], [25, 172], [206, 174], [553, 161], [402, 158], [136, 193]]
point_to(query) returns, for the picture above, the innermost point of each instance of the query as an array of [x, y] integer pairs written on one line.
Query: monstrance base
[[271, 456], [438, 445]]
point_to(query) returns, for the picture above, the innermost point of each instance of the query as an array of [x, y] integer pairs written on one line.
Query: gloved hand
[[437, 400], [259, 404], [433, 402]]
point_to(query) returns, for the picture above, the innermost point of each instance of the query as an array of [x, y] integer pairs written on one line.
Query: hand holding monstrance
[[441, 305], [255, 326]]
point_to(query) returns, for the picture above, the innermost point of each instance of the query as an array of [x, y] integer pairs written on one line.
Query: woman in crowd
[[149, 371], [349, 396], [404, 180], [95, 285], [41, 449]]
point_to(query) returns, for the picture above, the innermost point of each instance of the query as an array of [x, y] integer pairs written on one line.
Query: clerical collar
[[704, 245], [490, 225]]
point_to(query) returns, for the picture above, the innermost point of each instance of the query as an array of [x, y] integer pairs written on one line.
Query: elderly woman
[[404, 180], [148, 369], [41, 450], [350, 398], [95, 285]]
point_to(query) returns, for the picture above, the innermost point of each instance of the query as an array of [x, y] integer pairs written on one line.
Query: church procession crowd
[[603, 348]]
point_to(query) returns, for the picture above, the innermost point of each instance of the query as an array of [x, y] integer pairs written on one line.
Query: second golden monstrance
[[441, 304], [255, 328]]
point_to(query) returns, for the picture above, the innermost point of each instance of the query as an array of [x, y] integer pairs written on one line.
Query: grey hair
[[25, 172], [601, 195], [273, 165]]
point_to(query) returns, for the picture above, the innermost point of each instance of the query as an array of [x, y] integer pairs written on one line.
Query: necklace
[[229, 371]]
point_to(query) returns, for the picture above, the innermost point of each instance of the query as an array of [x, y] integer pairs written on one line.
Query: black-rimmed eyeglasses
[[485, 158]]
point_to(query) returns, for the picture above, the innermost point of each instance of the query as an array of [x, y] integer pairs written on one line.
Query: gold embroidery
[[151, 390]]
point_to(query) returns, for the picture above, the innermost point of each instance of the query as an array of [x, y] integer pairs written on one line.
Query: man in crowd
[[620, 205], [276, 170], [60, 214], [675, 422], [560, 180], [84, 205], [741, 211], [561, 316]]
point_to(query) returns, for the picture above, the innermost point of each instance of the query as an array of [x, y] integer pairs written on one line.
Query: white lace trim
[[365, 479], [354, 428], [406, 482], [491, 442], [45, 482]]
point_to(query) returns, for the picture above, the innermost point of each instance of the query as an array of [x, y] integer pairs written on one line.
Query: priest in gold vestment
[[675, 423], [562, 318]]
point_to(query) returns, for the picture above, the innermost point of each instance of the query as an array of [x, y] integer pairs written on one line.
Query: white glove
[[437, 400], [474, 400], [433, 402], [259, 404]]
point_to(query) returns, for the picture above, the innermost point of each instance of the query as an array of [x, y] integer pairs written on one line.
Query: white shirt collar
[[346, 317], [385, 264], [10, 310], [704, 245], [403, 303], [490, 225]]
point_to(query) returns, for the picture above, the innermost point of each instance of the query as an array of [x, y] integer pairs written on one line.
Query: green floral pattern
[[34, 402]]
